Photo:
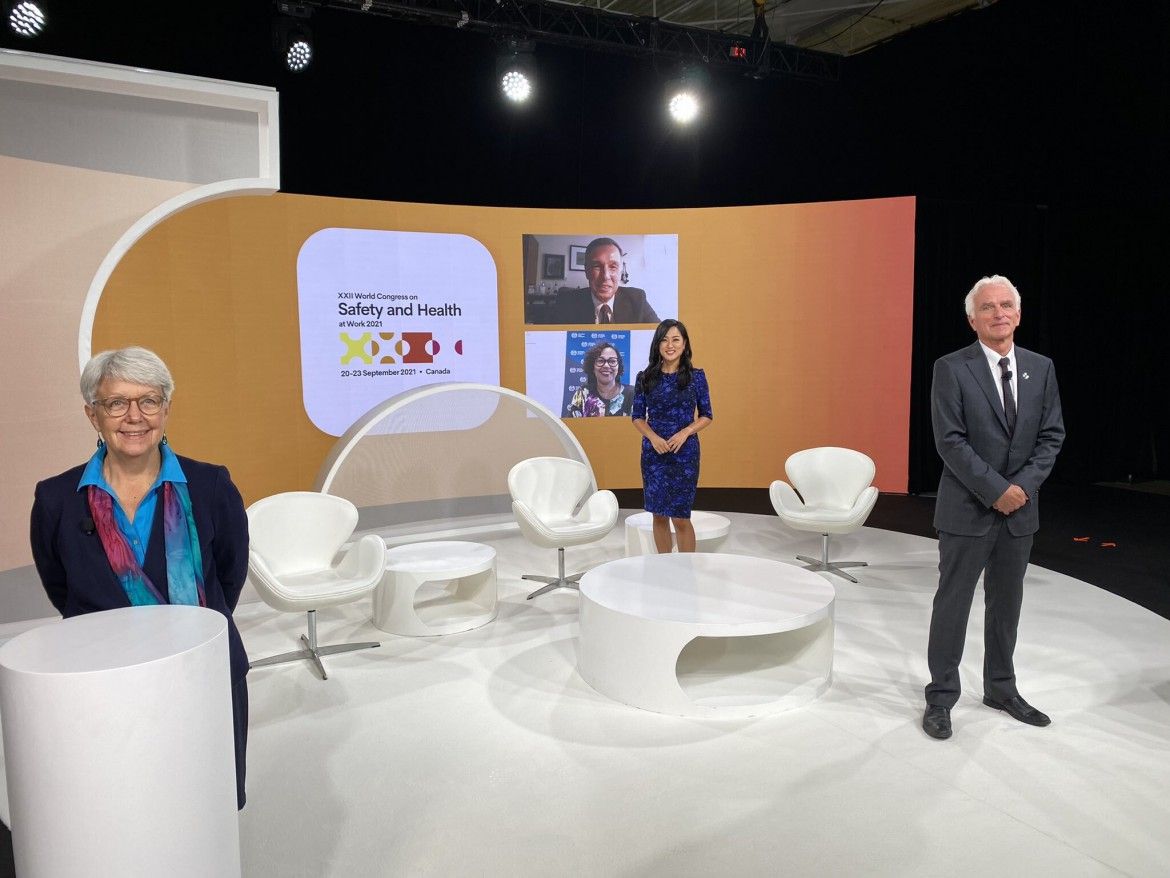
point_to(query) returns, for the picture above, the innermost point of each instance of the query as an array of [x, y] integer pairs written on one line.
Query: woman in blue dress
[[671, 404]]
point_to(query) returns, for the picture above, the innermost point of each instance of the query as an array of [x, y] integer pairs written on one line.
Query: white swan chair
[[295, 537], [835, 484], [550, 502]]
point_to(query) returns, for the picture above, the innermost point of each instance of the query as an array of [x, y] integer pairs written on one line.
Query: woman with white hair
[[138, 524]]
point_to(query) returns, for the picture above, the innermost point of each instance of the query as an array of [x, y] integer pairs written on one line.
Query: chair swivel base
[[314, 655], [312, 651], [554, 583], [818, 566], [824, 565]]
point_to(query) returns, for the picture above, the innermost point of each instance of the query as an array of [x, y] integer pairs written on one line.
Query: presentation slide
[[387, 311]]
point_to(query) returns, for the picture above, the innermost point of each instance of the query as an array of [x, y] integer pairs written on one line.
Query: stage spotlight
[[515, 70], [684, 107], [27, 19], [298, 55], [684, 96], [516, 86], [291, 36]]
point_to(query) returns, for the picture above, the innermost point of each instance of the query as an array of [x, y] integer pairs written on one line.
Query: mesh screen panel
[[435, 460]]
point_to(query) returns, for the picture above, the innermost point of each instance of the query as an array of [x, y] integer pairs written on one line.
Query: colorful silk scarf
[[184, 560]]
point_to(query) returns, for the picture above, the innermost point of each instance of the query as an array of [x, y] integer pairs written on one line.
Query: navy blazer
[[980, 458], [78, 578]]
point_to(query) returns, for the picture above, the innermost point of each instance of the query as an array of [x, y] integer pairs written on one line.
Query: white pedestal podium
[[119, 748]]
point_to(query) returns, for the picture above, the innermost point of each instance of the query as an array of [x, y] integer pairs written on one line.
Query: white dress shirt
[[597, 307], [993, 359]]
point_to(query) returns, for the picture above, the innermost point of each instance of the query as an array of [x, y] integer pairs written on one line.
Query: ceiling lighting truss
[[599, 30]]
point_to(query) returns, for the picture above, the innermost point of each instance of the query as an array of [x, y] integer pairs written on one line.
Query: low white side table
[[706, 634], [119, 746], [458, 581], [710, 532]]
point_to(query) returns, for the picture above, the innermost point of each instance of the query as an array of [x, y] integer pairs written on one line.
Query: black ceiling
[[1021, 102]]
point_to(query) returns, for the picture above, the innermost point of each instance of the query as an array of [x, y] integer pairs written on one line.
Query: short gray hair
[[994, 280], [134, 364], [598, 243]]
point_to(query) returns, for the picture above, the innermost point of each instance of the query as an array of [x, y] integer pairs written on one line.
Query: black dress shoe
[[1017, 708], [936, 722]]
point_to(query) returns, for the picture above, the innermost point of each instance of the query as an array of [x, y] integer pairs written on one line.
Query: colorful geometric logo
[[412, 347]]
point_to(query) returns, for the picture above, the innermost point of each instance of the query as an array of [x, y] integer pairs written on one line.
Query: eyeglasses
[[606, 361], [116, 407]]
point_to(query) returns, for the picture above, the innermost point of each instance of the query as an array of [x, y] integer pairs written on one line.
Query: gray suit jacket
[[980, 459]]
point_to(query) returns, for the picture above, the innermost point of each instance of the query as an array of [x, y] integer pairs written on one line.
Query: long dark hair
[[590, 360], [652, 374]]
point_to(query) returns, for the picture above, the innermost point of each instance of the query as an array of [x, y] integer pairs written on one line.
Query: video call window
[[601, 279], [585, 373]]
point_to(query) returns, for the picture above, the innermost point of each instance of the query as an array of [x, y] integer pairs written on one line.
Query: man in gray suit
[[998, 428]]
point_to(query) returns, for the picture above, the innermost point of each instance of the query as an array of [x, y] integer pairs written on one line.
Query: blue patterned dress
[[669, 480]]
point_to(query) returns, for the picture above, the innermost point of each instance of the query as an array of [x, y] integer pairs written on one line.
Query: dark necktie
[[603, 314], [1009, 399]]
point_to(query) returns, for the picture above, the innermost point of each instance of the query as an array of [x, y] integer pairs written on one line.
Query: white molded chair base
[[823, 565], [312, 651], [554, 582]]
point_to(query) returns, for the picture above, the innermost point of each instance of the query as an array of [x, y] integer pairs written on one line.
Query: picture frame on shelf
[[553, 267]]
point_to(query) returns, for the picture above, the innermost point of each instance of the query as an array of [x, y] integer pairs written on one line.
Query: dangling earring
[[164, 439], [101, 441]]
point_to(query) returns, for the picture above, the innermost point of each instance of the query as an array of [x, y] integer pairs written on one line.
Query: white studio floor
[[485, 754]]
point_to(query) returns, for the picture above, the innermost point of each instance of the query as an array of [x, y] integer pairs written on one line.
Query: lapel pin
[[1025, 376]]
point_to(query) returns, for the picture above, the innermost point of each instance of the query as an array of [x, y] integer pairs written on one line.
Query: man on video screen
[[605, 300]]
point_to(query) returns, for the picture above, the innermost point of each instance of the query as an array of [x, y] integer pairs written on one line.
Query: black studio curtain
[[1095, 283]]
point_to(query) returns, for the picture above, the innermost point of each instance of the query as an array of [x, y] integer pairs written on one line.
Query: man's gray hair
[[133, 364], [598, 243], [994, 280]]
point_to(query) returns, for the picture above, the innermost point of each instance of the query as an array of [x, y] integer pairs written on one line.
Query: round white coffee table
[[436, 588], [710, 532], [706, 634]]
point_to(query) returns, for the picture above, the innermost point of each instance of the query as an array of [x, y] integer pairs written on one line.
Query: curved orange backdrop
[[800, 314]]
